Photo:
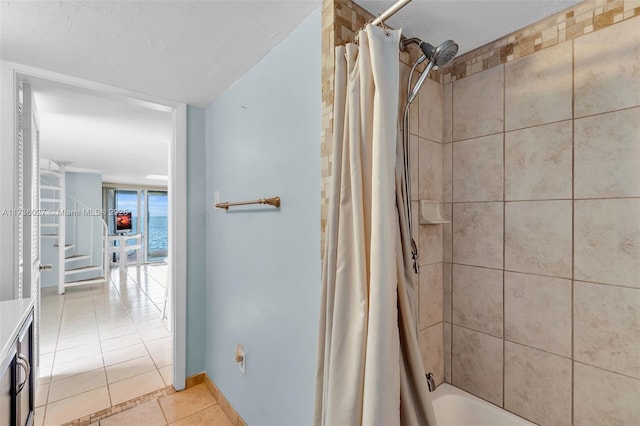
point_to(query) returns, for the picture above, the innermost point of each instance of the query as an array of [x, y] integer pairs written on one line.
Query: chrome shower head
[[437, 56], [442, 54]]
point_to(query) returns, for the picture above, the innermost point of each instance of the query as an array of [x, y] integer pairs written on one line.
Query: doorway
[[12, 75]]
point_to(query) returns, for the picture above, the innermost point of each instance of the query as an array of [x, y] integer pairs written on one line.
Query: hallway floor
[[102, 344]]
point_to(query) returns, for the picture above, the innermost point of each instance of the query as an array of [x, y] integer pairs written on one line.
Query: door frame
[[10, 73]]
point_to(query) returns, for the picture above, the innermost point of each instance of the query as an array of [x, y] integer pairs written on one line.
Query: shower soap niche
[[430, 213]]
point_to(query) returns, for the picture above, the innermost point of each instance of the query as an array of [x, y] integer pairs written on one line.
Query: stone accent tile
[[538, 237], [604, 398], [430, 296], [607, 76], [606, 327], [430, 170], [607, 155], [431, 110], [478, 169], [477, 299], [478, 234], [607, 241], [477, 364], [525, 103], [432, 350], [477, 105], [537, 385], [538, 312], [538, 162]]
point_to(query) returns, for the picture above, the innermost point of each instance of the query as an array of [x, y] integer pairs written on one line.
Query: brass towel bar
[[273, 201]]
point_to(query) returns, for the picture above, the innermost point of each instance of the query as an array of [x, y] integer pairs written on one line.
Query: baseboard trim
[[226, 406], [194, 380]]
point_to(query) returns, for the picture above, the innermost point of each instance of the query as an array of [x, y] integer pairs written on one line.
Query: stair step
[[51, 187], [76, 257], [49, 200], [82, 269], [66, 246], [55, 225], [49, 236], [83, 282]]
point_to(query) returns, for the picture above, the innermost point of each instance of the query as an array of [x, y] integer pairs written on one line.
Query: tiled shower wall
[[542, 274], [341, 20]]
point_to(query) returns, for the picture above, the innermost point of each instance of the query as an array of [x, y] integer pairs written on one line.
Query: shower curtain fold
[[369, 366]]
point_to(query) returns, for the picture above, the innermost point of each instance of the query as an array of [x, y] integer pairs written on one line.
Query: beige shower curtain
[[369, 366]]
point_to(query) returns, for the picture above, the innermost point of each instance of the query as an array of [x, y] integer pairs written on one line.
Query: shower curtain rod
[[390, 12]]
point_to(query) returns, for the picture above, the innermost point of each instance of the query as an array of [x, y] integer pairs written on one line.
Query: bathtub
[[455, 407]]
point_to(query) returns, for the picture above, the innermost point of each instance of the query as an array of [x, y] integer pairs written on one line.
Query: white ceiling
[[119, 139], [188, 51], [471, 23]]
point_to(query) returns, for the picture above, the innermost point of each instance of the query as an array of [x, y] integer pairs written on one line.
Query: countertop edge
[[23, 306]]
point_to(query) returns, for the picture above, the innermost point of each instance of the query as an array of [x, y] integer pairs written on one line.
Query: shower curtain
[[369, 366]]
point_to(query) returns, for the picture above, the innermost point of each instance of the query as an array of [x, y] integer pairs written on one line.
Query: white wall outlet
[[241, 358]]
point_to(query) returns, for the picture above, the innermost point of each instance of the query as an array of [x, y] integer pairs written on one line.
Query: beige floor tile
[[77, 406], [162, 358], [183, 404], [211, 416], [41, 394], [133, 387], [120, 342], [134, 367], [164, 343], [124, 354], [77, 340], [78, 384], [72, 354], [148, 414], [38, 419], [167, 374], [65, 370]]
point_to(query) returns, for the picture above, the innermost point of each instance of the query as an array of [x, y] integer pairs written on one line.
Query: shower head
[[442, 54], [437, 56]]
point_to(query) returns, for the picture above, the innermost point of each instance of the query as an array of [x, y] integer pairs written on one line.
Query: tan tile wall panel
[[542, 180]]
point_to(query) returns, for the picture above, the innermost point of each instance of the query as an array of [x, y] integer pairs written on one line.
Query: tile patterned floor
[[102, 345]]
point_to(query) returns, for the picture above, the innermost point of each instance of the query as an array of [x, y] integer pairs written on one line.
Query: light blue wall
[[196, 209], [263, 264]]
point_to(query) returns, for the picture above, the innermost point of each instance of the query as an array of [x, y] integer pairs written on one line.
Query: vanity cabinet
[[16, 372]]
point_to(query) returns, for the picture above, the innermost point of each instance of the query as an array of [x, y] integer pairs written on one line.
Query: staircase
[[78, 268]]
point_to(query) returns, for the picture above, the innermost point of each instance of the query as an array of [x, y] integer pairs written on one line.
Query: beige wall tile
[[447, 352], [430, 170], [430, 121], [538, 162], [430, 296], [537, 312], [447, 233], [432, 350], [477, 299], [478, 169], [538, 88], [607, 241], [537, 385], [414, 157], [477, 104], [607, 327], [538, 237], [429, 244], [447, 113], [447, 172], [607, 155], [447, 287], [477, 234], [604, 398], [607, 76], [476, 364]]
